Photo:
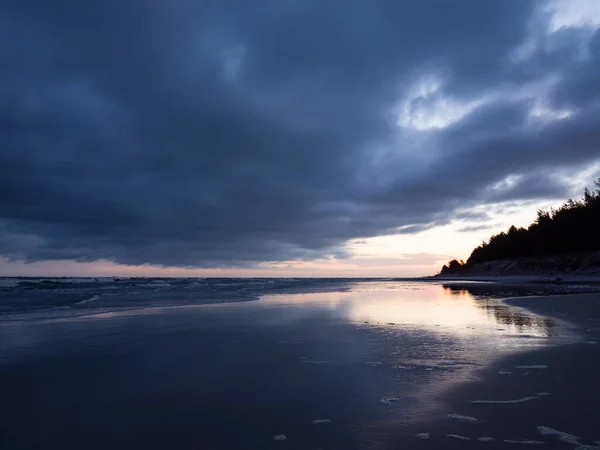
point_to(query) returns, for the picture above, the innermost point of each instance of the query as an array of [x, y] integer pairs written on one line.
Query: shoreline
[[555, 278]]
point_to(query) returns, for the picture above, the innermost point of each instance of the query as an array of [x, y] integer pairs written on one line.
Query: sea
[[232, 363]]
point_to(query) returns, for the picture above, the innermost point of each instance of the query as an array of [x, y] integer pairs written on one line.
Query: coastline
[[546, 396], [553, 278]]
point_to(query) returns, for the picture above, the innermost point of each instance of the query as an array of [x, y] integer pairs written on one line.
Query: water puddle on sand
[[461, 417], [457, 436]]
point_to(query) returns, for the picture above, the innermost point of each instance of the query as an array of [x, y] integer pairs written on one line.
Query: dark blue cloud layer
[[225, 133]]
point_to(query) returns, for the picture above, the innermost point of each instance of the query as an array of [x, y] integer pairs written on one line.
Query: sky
[[287, 137]]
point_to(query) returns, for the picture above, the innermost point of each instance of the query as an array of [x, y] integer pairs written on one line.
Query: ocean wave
[[8, 282], [32, 294]]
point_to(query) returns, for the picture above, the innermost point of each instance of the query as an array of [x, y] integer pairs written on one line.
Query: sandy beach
[[378, 365]]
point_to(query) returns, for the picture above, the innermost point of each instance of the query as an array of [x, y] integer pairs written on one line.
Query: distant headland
[[562, 241]]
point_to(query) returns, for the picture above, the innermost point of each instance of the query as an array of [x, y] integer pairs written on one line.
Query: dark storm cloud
[[224, 133]]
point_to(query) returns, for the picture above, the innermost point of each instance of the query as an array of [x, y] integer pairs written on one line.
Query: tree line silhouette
[[572, 228]]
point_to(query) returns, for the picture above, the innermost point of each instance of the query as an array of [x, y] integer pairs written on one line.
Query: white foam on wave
[[388, 400], [518, 400], [9, 282], [316, 421], [423, 435], [227, 284], [504, 372], [523, 441], [457, 436], [279, 437], [93, 298], [536, 366], [485, 439], [461, 417]]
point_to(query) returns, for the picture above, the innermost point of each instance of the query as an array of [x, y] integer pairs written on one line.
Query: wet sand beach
[[371, 367], [547, 397]]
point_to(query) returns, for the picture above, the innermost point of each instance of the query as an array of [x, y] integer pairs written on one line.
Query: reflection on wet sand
[[503, 314], [459, 310]]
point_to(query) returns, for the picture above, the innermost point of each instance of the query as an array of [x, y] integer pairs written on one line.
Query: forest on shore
[[572, 228]]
